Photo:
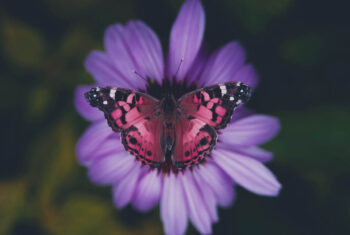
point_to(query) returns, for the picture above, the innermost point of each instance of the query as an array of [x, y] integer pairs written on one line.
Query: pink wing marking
[[122, 108]]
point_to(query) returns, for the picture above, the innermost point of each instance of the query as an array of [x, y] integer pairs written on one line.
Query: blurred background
[[300, 50]]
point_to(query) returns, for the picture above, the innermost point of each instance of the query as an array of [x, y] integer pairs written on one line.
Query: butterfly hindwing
[[214, 105], [142, 141], [194, 140]]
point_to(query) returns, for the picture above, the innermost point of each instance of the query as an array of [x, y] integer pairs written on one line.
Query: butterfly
[[168, 131]]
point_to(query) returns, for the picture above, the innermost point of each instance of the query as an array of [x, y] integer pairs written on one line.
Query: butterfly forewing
[[122, 107], [214, 105]]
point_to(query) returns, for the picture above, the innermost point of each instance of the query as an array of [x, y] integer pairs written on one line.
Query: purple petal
[[125, 189], [112, 168], [185, 38], [198, 66], [83, 107], [224, 64], [247, 75], [145, 49], [252, 130], [198, 213], [147, 194], [110, 146], [117, 48], [250, 151], [219, 181], [248, 172], [173, 206], [207, 196], [241, 112], [92, 139], [101, 67]]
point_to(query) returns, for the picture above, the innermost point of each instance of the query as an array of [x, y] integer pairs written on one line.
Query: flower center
[[176, 88]]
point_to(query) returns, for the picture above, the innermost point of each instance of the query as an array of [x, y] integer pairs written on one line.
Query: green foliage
[[24, 45], [307, 50], [12, 200], [256, 14], [82, 214]]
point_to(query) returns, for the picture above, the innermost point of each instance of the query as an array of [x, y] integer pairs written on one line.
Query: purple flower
[[194, 193]]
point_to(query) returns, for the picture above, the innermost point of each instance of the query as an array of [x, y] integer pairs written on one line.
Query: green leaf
[[12, 200], [315, 143], [307, 50], [53, 163], [23, 44], [83, 214], [255, 14]]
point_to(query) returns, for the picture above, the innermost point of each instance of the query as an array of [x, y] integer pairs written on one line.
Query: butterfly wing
[[143, 141], [214, 105], [122, 107], [202, 112], [194, 140], [134, 114]]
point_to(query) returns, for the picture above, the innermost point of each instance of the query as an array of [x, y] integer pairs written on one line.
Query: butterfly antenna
[[178, 68], [139, 75]]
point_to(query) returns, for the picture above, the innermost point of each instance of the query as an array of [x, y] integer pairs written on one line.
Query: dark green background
[[300, 50]]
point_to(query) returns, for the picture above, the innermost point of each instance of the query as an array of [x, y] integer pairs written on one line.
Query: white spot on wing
[[112, 93], [232, 98], [105, 102], [223, 89]]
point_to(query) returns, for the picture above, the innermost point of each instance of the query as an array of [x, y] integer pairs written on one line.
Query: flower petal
[[173, 206], [198, 213], [111, 168], [147, 194], [219, 181], [207, 196], [117, 48], [185, 38], [101, 67], [241, 112], [250, 151], [92, 139], [252, 130], [125, 189], [224, 64], [145, 49], [197, 67], [248, 172], [247, 75], [83, 107]]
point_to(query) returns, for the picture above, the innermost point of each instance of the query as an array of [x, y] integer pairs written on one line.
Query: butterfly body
[[179, 132]]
